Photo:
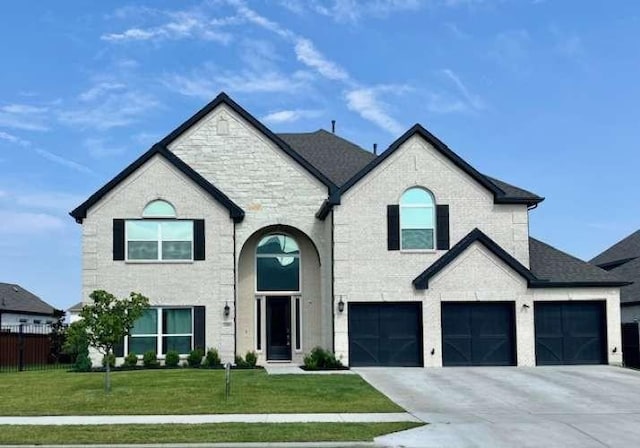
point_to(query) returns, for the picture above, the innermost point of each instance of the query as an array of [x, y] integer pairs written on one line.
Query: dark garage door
[[570, 333], [385, 334], [478, 334]]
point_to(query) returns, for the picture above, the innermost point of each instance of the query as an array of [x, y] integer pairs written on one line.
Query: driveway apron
[[566, 406]]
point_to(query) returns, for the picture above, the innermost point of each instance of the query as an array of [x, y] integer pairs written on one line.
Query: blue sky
[[542, 94]]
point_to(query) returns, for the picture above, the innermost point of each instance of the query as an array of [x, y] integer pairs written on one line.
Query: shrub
[[150, 360], [251, 359], [131, 360], [76, 342], [111, 358], [82, 363], [321, 359], [212, 360], [172, 359], [195, 358], [240, 362]]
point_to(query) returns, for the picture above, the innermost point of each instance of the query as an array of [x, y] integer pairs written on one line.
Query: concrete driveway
[[568, 406]]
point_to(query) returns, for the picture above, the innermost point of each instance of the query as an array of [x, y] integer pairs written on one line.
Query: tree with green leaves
[[108, 320]]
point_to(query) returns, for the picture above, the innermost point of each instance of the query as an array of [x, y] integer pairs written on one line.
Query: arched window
[[417, 220], [159, 209], [161, 238], [278, 264]]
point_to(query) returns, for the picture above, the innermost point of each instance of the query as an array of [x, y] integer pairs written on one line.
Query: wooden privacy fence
[[29, 347]]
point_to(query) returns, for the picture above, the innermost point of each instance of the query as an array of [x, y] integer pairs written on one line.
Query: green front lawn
[[185, 391], [211, 433]]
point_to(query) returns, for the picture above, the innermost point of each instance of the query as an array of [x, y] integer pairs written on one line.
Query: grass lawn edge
[[197, 433]]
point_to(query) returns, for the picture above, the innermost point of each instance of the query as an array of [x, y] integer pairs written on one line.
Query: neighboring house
[[623, 259], [73, 313], [248, 240], [19, 306]]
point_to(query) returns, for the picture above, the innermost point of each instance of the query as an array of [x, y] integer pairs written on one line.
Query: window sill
[[159, 261], [418, 251]]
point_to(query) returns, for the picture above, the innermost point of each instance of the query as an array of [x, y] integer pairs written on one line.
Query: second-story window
[[417, 220], [159, 235]]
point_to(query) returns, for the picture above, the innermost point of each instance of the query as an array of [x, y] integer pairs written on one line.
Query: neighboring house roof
[[625, 249], [623, 260], [550, 267], [335, 157], [76, 307], [223, 98], [14, 298], [235, 212], [503, 192]]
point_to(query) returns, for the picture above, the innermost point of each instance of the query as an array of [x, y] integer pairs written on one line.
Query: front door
[[279, 328]]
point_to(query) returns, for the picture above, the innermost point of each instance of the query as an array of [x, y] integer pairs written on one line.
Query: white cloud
[[441, 103], [27, 223], [26, 117], [307, 53], [180, 25], [366, 102], [474, 101], [63, 161], [100, 90], [13, 139], [209, 81], [352, 11], [109, 110], [290, 116]]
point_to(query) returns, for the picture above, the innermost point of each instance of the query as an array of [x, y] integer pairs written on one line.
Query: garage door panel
[[478, 334], [570, 332], [385, 334]]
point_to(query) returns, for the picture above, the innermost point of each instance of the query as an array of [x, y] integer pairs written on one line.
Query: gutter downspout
[[235, 294]]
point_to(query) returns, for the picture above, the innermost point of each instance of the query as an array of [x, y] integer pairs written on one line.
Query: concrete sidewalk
[[209, 418]]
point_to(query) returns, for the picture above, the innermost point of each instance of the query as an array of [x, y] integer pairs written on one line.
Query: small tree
[[109, 319], [76, 345]]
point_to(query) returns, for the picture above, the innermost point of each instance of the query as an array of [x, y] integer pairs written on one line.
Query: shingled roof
[[335, 157], [554, 266], [549, 267], [340, 160], [624, 250], [623, 259], [14, 298]]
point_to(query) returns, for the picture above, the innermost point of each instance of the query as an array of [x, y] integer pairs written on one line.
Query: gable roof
[[223, 98], [623, 260], [15, 298], [550, 267], [624, 250], [503, 192], [500, 196], [336, 157], [476, 235], [235, 212]]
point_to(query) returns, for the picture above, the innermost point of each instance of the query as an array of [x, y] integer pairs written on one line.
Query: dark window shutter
[[118, 239], [442, 227], [198, 239], [393, 227], [198, 327], [118, 349]]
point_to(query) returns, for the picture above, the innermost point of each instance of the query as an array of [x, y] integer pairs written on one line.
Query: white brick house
[[247, 240]]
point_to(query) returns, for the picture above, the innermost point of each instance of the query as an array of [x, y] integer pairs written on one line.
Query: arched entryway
[[279, 295]]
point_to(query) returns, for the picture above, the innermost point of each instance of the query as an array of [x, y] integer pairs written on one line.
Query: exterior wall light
[[341, 305], [227, 310]]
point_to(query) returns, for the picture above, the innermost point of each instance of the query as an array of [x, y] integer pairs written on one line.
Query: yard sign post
[[227, 380]]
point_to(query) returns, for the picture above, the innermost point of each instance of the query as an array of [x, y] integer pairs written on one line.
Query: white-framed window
[[417, 220], [277, 264], [156, 238], [161, 330]]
